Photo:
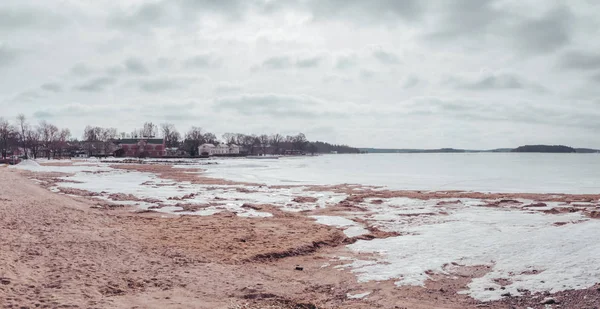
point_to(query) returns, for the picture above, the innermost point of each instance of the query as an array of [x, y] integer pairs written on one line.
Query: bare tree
[[210, 138], [49, 134], [62, 141], [7, 135], [230, 138], [107, 136], [249, 142], [149, 130], [299, 142], [193, 139], [91, 137], [170, 134], [32, 140], [263, 142], [22, 127], [275, 140]]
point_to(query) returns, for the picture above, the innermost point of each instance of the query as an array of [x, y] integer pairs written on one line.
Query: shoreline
[[305, 204]]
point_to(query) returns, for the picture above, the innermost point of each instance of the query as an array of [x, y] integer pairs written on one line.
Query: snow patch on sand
[[525, 248], [151, 190], [357, 296], [351, 228]]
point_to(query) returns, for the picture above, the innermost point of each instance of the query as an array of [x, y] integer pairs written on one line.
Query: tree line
[[47, 140], [43, 139]]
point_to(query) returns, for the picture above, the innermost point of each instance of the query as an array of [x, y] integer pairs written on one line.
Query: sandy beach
[[69, 247]]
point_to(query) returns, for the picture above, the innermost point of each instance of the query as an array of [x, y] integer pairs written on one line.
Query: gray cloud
[[311, 62], [169, 13], [287, 62], [163, 62], [386, 57], [97, 84], [7, 55], [26, 96], [374, 11], [52, 87], [26, 18], [463, 18], [344, 62], [228, 88], [411, 82], [136, 66], [501, 81], [478, 21], [277, 63], [202, 61], [81, 70], [519, 112], [147, 14], [42, 115], [546, 34], [160, 84], [580, 60], [275, 105]]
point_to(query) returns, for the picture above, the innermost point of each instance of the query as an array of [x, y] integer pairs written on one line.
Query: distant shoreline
[[521, 149]]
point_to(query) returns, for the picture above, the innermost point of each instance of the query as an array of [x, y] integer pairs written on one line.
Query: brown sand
[[58, 251]]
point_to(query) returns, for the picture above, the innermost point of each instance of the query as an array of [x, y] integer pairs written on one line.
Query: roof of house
[[158, 141], [208, 145]]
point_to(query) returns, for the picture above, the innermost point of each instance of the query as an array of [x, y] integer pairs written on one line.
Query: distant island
[[526, 148], [545, 148]]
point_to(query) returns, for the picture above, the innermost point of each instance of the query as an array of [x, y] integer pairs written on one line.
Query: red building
[[141, 147]]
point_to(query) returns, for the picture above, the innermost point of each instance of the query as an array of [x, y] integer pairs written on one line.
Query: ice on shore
[[527, 249]]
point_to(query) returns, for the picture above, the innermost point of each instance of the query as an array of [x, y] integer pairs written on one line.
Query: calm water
[[493, 172]]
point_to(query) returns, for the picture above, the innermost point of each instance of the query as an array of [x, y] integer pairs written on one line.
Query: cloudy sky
[[380, 73]]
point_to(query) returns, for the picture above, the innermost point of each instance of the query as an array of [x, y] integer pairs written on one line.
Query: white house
[[234, 149], [206, 149], [221, 149]]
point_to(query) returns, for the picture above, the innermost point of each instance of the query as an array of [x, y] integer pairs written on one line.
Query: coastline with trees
[[22, 139]]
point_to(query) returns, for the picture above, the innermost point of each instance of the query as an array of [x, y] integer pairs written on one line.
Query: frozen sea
[[484, 172]]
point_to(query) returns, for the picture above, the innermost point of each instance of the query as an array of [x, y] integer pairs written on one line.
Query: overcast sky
[[379, 73]]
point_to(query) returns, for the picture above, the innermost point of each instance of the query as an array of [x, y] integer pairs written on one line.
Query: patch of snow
[[352, 229], [27, 163], [334, 221], [357, 296], [513, 243], [355, 231]]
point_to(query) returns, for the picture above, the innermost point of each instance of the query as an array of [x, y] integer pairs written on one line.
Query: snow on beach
[[529, 250], [526, 246], [147, 190], [351, 228]]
